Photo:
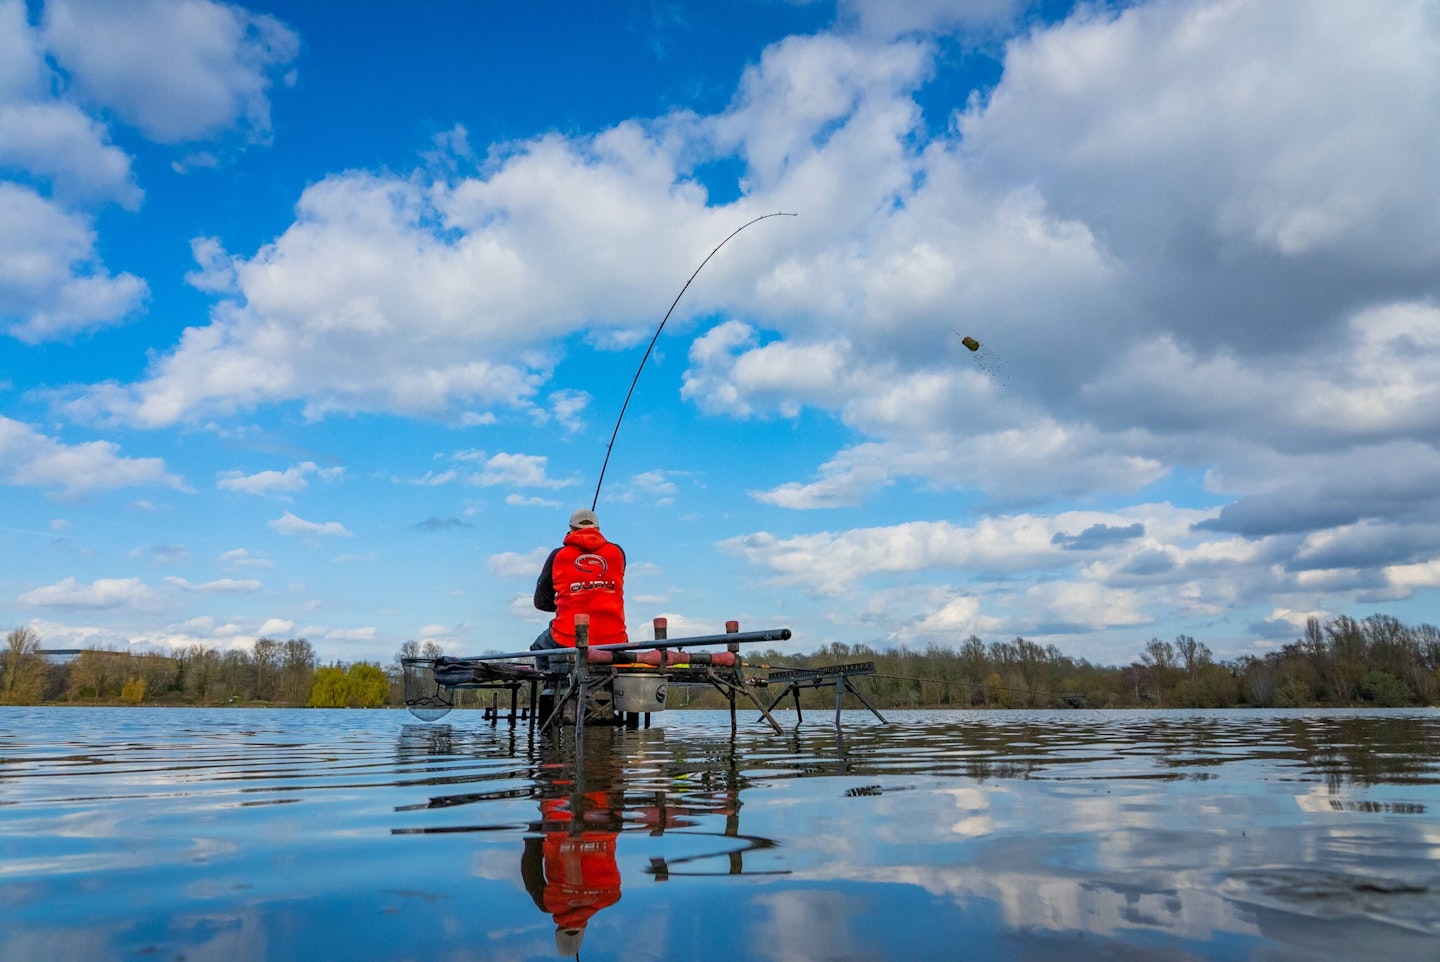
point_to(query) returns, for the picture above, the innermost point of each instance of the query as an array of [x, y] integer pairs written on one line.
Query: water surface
[[226, 834]]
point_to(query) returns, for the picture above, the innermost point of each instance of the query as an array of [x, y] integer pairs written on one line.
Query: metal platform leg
[[865, 701]]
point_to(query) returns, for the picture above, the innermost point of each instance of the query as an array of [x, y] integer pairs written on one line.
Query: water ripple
[[297, 834]]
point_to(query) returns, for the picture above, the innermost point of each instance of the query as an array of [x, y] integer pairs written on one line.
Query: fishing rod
[[633, 381], [932, 681], [736, 637], [975, 684]]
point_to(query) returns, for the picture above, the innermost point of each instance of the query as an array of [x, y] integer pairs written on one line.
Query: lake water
[[231, 834]]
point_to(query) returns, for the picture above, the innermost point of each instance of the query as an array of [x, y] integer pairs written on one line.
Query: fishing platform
[[616, 684]]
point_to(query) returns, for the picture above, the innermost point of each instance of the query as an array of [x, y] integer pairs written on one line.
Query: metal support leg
[[865, 701], [734, 648], [731, 685], [580, 673], [789, 689], [768, 717]]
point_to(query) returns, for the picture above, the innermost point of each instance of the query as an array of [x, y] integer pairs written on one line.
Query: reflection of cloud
[[806, 925], [913, 819], [495, 863], [1055, 857], [1164, 901], [1047, 888]]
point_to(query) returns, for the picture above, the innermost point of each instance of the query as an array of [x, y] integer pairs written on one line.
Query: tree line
[[277, 673], [1341, 662]]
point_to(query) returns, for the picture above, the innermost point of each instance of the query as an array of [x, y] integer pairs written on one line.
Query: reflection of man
[[571, 872], [585, 575]]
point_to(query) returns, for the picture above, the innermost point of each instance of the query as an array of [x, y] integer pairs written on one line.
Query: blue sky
[[317, 318]]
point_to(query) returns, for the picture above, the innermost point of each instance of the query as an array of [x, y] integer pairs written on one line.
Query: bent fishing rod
[[633, 381]]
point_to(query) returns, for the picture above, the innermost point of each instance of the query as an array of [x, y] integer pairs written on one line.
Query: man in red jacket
[[585, 575]]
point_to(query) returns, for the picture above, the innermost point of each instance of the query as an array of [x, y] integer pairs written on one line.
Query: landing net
[[424, 697]]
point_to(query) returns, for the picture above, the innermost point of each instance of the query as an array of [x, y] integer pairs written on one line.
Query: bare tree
[[266, 655], [1193, 654], [198, 664], [413, 649], [1159, 654], [297, 671], [96, 673], [23, 678], [1159, 659], [1347, 656]]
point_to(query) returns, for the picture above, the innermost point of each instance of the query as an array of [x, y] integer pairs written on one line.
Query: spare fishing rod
[[1061, 697], [949, 683], [633, 381]]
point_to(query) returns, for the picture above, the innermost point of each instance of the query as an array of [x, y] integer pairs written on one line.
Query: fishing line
[[991, 687], [611, 446]]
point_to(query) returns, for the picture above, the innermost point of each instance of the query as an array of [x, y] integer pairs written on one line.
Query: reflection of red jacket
[[581, 875], [585, 575]]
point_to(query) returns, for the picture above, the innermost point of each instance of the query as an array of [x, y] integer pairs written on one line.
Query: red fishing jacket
[[585, 575], [581, 874]]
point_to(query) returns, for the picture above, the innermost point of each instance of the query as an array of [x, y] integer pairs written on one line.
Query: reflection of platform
[[830, 676]]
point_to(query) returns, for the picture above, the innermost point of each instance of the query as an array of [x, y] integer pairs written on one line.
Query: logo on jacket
[[592, 563]]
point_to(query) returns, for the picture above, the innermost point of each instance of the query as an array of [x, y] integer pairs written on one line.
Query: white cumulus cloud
[[218, 586], [292, 479], [179, 70], [290, 524], [102, 593], [32, 459], [52, 284]]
